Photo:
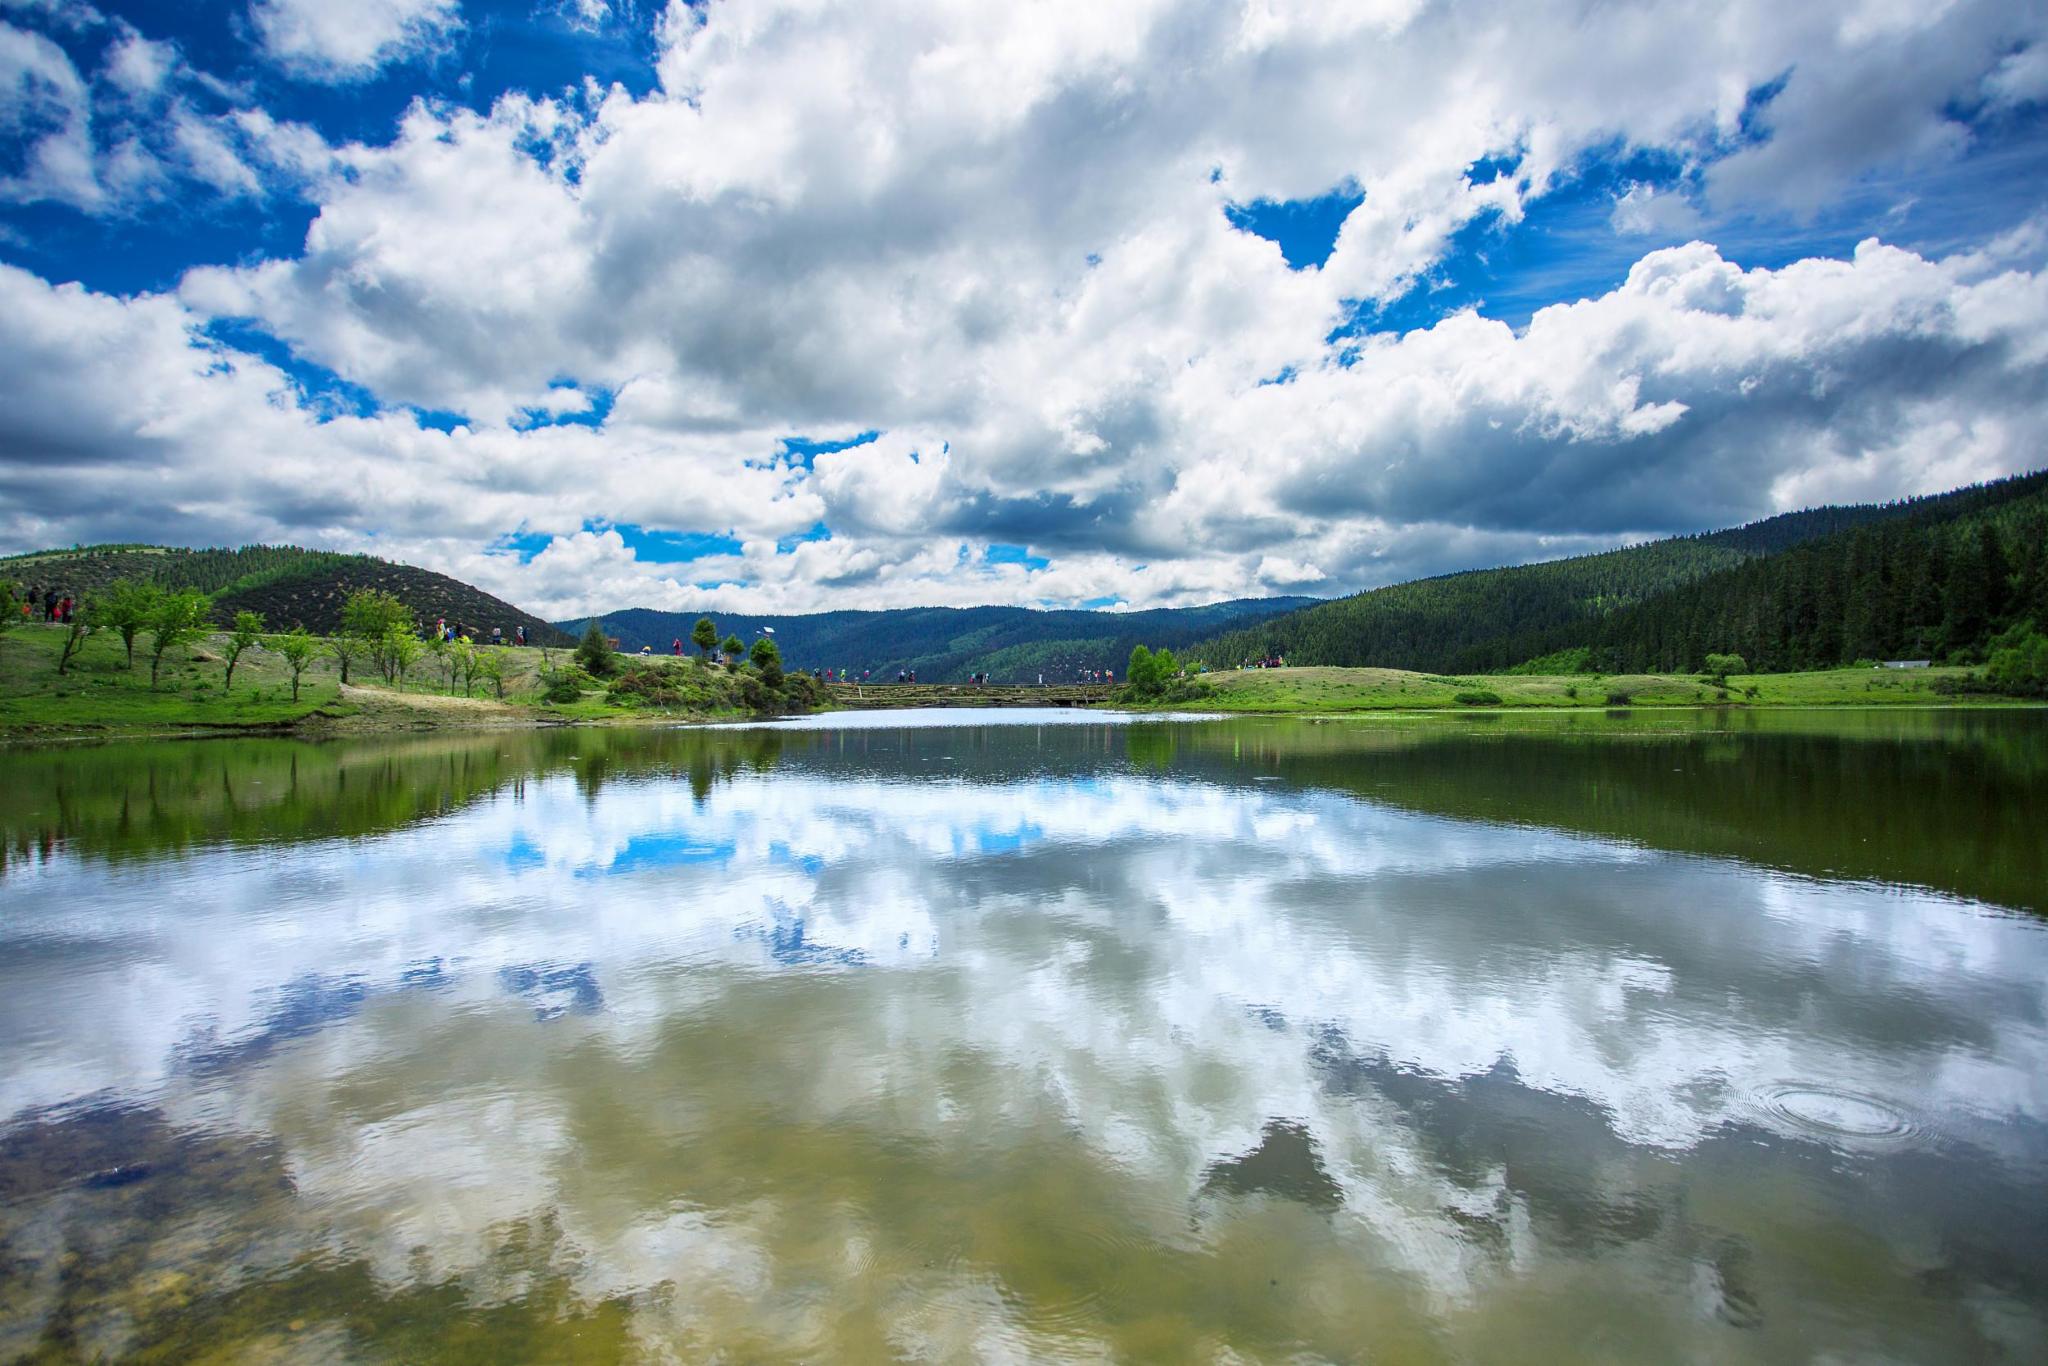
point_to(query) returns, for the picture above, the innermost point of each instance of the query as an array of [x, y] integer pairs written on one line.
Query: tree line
[[1957, 592], [1804, 590]]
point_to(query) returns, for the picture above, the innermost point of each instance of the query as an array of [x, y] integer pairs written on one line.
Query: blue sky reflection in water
[[1050, 1040]]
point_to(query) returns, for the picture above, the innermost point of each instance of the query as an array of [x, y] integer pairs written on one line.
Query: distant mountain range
[[1925, 577], [947, 644], [290, 586]]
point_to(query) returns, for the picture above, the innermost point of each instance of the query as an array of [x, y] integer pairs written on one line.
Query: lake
[[1025, 1036]]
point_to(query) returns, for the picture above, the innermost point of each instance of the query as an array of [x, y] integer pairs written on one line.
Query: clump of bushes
[[759, 686], [647, 688], [565, 685], [1155, 676], [2018, 664], [1477, 697], [1619, 697]]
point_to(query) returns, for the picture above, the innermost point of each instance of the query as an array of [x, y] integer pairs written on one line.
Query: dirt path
[[417, 701]]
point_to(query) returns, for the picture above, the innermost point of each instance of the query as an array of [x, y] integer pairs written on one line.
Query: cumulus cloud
[[998, 237], [323, 41]]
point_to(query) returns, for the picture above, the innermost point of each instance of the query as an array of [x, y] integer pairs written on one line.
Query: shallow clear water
[[1635, 1038]]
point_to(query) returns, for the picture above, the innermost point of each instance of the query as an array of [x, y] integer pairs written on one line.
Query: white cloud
[[324, 41], [45, 106], [140, 65], [996, 235], [141, 127], [1643, 209]]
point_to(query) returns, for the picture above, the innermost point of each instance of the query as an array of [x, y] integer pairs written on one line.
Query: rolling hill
[[288, 585], [1634, 602], [947, 644]]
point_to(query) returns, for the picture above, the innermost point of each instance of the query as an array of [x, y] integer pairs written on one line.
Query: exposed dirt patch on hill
[[368, 698], [380, 709]]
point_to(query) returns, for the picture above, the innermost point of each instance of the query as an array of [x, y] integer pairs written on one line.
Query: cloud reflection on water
[[1470, 1039]]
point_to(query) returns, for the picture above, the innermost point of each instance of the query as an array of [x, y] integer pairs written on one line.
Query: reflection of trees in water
[[1941, 800], [139, 799]]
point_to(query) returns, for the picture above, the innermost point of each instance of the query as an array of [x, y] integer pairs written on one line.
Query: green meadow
[[1331, 690]]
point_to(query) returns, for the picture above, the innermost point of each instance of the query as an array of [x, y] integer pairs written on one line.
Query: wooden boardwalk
[[884, 696]]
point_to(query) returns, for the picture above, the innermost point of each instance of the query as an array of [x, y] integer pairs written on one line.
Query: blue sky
[[766, 306]]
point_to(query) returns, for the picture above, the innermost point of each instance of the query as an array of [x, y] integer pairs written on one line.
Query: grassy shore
[[1327, 691], [101, 695]]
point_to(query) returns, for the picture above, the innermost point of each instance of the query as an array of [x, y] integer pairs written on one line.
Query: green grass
[[100, 693], [1320, 690], [101, 696]]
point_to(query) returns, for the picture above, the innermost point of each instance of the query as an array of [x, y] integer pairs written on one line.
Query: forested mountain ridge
[[1936, 587], [947, 644], [1492, 619], [289, 585]]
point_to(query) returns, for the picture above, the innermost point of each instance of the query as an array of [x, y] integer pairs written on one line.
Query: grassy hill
[[947, 644], [288, 585], [1493, 619]]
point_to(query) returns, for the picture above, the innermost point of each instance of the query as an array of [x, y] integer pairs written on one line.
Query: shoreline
[[322, 725], [105, 699]]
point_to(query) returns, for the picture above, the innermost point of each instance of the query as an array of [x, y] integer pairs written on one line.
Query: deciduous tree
[[178, 618], [245, 635], [296, 648], [84, 617], [124, 609]]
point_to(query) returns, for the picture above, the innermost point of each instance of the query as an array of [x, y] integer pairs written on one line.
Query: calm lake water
[[1636, 1038]]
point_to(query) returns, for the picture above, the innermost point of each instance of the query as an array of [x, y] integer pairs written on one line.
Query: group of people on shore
[[50, 605], [452, 632]]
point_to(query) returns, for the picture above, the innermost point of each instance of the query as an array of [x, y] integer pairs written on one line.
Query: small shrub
[[1617, 697], [1571, 690], [565, 685], [1477, 697]]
